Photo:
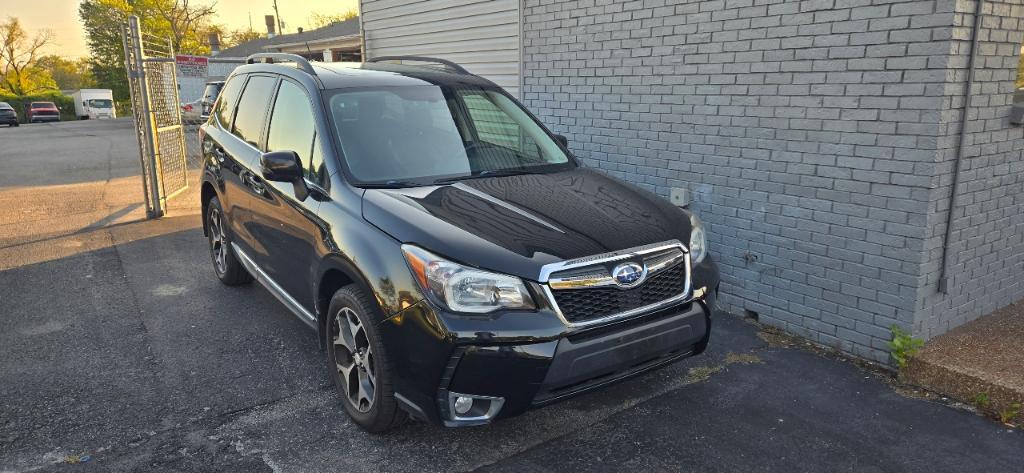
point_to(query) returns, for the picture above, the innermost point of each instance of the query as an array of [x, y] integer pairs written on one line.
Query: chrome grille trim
[[547, 270], [687, 294], [663, 258]]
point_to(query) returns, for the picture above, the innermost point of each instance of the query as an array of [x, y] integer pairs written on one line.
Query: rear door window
[[252, 109]]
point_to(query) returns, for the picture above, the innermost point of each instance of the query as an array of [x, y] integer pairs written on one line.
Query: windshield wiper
[[481, 174], [392, 184]]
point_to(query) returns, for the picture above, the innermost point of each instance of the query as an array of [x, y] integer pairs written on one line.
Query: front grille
[[578, 305]]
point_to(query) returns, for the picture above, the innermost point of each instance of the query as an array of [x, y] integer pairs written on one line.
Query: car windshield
[[419, 135], [42, 104], [100, 103]]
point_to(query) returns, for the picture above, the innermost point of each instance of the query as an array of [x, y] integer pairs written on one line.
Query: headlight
[[698, 240], [465, 289]]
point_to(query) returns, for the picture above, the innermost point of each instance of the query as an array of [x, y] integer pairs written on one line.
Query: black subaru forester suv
[[457, 262]]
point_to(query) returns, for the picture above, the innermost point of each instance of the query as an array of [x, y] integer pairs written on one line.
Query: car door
[[222, 166], [286, 227], [241, 148]]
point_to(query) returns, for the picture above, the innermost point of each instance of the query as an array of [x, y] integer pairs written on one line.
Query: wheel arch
[[335, 273], [206, 193]]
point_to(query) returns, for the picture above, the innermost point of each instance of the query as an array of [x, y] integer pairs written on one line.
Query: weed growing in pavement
[[1007, 415], [742, 358], [982, 401], [702, 373], [903, 346]]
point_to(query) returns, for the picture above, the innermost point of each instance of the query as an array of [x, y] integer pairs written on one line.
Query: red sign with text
[[192, 66]]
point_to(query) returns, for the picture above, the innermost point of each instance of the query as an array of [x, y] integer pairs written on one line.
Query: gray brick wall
[[814, 137], [987, 245]]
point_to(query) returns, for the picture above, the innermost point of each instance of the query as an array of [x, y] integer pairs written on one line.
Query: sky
[[61, 17]]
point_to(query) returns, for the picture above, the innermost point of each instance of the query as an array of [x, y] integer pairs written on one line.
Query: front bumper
[[527, 376], [534, 360]]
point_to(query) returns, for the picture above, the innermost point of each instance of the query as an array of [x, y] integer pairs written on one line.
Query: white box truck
[[94, 103]]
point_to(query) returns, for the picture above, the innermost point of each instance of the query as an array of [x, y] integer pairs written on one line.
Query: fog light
[[472, 409], [463, 404]]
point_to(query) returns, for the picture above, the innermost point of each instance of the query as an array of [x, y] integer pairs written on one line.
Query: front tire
[[358, 363], [225, 263]]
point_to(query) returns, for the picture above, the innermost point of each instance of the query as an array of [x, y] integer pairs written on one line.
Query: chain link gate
[[163, 148]]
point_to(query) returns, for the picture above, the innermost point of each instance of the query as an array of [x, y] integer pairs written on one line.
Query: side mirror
[[281, 166], [284, 166], [562, 140]]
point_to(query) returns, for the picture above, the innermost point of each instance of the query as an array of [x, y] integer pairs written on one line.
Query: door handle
[[219, 153], [255, 184]]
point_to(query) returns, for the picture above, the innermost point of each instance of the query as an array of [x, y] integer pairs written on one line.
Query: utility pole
[[280, 24], [250, 21]]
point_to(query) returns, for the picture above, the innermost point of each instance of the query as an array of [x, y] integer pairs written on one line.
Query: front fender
[[367, 256]]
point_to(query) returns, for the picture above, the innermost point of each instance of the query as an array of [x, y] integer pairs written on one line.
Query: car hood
[[517, 224]]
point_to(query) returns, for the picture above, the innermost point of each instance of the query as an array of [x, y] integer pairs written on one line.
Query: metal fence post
[[131, 68], [148, 121]]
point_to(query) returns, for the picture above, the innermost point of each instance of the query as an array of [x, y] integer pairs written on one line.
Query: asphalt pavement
[[120, 351]]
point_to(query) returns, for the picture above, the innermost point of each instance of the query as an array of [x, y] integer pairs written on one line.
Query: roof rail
[[450, 64], [270, 58]]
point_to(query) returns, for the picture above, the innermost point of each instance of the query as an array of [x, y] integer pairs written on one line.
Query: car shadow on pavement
[[125, 353]]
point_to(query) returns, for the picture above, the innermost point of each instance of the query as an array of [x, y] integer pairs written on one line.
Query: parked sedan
[[42, 112], [7, 115]]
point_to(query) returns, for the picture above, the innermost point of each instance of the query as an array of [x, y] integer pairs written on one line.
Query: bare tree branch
[[19, 54]]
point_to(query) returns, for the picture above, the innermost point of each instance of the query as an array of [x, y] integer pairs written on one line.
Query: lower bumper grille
[[579, 305]]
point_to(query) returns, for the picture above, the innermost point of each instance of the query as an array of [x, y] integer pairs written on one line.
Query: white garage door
[[480, 35]]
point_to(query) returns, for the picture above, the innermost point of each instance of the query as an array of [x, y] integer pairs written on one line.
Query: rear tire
[[358, 362], [225, 263]]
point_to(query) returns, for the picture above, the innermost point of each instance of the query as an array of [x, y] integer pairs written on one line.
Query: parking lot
[[120, 351]]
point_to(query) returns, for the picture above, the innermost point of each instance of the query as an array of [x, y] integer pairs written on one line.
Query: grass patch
[[702, 373], [1008, 415], [742, 358]]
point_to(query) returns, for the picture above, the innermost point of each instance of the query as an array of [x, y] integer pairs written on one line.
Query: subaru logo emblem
[[628, 275]]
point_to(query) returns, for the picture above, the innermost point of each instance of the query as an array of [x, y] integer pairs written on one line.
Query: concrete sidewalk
[[980, 363]]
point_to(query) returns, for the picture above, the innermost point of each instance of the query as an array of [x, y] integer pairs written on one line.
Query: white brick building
[[817, 138]]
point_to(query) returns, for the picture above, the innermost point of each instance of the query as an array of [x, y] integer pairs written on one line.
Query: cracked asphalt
[[120, 351]]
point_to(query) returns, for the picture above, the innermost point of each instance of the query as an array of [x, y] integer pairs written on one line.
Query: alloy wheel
[[218, 241], [353, 358]]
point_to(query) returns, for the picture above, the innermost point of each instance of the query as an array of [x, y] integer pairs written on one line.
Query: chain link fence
[[163, 149]]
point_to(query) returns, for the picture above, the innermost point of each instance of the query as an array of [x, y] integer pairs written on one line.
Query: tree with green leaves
[[236, 37], [320, 20], [20, 73], [69, 74], [185, 23]]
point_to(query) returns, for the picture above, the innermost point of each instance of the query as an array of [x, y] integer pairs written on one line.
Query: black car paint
[[517, 224], [342, 234]]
